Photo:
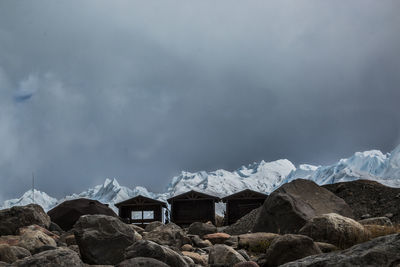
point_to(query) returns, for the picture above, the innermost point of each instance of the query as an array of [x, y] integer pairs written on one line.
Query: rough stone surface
[[369, 197], [335, 229], [168, 234], [200, 243], [201, 229], [187, 247], [149, 249], [153, 225], [68, 212], [9, 254], [102, 239], [246, 264], [326, 247], [243, 225], [256, 242], [60, 257], [381, 251], [196, 257], [223, 255], [38, 228], [11, 240], [137, 229], [142, 262], [19, 216], [383, 221], [33, 239], [289, 207], [288, 248], [217, 238]]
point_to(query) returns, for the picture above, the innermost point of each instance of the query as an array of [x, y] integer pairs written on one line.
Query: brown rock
[[217, 238], [289, 207], [335, 229], [197, 258], [187, 247], [34, 239], [11, 254], [256, 242], [326, 247]]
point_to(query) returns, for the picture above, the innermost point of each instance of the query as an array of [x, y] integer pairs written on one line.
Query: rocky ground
[[301, 224]]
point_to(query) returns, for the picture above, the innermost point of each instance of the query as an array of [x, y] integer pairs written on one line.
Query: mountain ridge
[[259, 176]]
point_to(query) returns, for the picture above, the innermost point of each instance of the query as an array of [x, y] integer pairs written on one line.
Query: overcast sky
[[140, 90]]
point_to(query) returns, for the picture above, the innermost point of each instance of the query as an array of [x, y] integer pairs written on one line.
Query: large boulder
[[201, 229], [289, 207], [243, 225], [256, 242], [223, 255], [370, 198], [60, 257], [168, 234], [142, 262], [102, 239], [381, 251], [68, 212], [335, 229], [149, 249], [11, 254], [32, 239], [153, 225], [290, 247], [196, 257], [19, 216]]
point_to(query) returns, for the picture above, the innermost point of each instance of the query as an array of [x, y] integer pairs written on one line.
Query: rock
[[256, 242], [168, 234], [75, 248], [290, 247], [102, 239], [42, 248], [219, 220], [246, 264], [223, 255], [201, 229], [32, 239], [187, 247], [217, 238], [197, 258], [137, 229], [188, 260], [149, 249], [335, 229], [326, 247], [11, 240], [60, 257], [55, 228], [38, 228], [244, 254], [70, 240], [384, 221], [68, 212], [9, 254], [368, 198], [289, 207], [3, 264], [198, 242], [243, 225], [142, 262], [19, 216], [153, 225], [381, 251]]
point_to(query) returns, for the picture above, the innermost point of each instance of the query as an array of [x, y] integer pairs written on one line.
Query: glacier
[[259, 176]]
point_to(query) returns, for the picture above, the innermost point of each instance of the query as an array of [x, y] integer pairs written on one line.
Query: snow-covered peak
[[41, 198]]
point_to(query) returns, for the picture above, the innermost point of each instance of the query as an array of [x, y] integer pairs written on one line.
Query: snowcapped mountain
[[262, 176], [111, 192], [41, 198]]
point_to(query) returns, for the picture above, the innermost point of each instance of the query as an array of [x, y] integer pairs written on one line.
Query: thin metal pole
[[33, 188]]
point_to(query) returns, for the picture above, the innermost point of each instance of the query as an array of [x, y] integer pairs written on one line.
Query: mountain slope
[[47, 202]]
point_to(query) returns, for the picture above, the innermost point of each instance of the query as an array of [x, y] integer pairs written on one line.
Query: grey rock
[[149, 249], [60, 257], [201, 229], [223, 255], [384, 221], [153, 225], [102, 239], [168, 234], [381, 251], [19, 216], [142, 262], [9, 254], [289, 207]]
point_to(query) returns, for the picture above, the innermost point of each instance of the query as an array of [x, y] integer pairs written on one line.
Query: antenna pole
[[33, 188]]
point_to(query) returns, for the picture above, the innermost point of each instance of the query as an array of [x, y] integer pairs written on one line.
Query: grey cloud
[[140, 91]]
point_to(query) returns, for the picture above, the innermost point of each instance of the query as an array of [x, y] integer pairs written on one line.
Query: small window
[[148, 214], [136, 215]]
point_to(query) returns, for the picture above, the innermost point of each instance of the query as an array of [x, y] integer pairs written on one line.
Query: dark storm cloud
[[140, 91]]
